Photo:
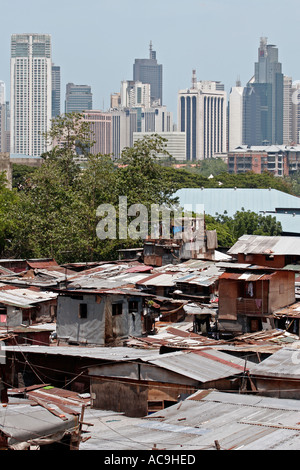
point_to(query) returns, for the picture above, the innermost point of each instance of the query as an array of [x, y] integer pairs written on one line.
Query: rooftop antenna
[[194, 80], [151, 52], [238, 81]]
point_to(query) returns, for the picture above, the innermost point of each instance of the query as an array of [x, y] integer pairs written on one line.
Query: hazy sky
[[95, 42]]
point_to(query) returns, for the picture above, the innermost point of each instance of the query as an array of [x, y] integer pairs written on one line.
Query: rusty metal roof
[[247, 276], [42, 263], [288, 311]]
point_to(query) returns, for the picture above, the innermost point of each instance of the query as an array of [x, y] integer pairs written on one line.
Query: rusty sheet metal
[[289, 311], [215, 356], [247, 276], [58, 396], [138, 269], [42, 264]]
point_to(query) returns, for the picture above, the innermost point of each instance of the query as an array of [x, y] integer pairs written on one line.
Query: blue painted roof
[[230, 200]]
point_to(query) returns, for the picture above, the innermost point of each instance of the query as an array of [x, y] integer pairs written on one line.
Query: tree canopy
[[52, 211]]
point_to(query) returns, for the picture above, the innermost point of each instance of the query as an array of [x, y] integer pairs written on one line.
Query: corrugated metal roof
[[230, 200], [26, 422], [103, 353], [258, 244], [236, 421], [282, 364], [24, 298], [161, 280], [198, 279], [248, 276], [219, 200], [203, 366], [44, 263], [288, 311]]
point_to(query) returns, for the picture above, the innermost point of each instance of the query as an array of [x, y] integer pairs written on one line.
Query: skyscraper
[[101, 129], [55, 90], [2, 92], [149, 71], [267, 89], [78, 98], [236, 116], [296, 112], [257, 114], [202, 116], [287, 111], [3, 119], [31, 92], [135, 94]]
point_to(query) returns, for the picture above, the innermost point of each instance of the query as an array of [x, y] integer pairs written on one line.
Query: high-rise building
[[2, 92], [149, 71], [175, 143], [31, 92], [101, 131], [202, 115], [269, 70], [4, 120], [257, 114], [135, 94], [55, 90], [235, 116], [78, 98], [287, 111], [296, 112], [265, 92]]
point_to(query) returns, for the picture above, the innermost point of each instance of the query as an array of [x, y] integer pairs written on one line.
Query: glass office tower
[[149, 71], [78, 98]]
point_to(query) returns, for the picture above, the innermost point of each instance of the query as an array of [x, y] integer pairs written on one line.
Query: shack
[[272, 251], [26, 306], [143, 386], [279, 375], [249, 296], [100, 317], [41, 418]]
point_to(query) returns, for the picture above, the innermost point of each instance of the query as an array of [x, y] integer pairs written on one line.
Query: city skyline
[[98, 45]]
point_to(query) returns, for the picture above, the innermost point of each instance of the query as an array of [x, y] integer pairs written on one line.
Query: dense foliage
[[52, 210]]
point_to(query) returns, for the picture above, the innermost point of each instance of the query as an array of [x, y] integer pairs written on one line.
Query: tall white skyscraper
[[236, 116], [202, 113], [2, 92], [135, 94], [287, 110], [31, 92]]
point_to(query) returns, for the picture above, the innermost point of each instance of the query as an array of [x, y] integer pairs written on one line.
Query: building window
[[82, 310], [117, 309], [133, 306]]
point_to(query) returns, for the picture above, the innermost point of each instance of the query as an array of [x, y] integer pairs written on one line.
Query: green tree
[[140, 176], [21, 175], [250, 223], [8, 204]]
